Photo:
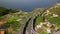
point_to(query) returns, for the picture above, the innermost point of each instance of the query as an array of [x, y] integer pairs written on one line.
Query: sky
[[27, 4]]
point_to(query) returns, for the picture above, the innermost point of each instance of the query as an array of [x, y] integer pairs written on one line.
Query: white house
[[47, 12], [55, 15], [39, 26], [49, 30]]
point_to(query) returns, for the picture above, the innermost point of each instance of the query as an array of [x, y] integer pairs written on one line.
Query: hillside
[[4, 11], [55, 10], [52, 16], [15, 18]]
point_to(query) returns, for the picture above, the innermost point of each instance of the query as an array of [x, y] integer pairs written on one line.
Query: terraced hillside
[[13, 19], [52, 16], [55, 15]]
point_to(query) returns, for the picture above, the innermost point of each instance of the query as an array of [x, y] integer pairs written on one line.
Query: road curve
[[23, 25], [31, 30]]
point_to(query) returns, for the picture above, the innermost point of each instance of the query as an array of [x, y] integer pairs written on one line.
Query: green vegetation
[[38, 20], [43, 32], [51, 19], [55, 20], [55, 10], [4, 11], [11, 16]]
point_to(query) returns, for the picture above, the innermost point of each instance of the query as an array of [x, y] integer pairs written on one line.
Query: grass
[[42, 32], [53, 20], [38, 20], [55, 10]]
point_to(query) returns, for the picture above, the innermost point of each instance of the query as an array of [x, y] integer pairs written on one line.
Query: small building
[[2, 22], [49, 30], [55, 15], [46, 22], [48, 11], [39, 26], [2, 30]]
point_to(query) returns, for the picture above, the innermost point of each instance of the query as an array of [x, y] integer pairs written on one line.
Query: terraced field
[[50, 15], [15, 20]]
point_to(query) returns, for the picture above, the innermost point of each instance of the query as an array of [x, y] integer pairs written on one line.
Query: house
[[39, 26], [48, 11], [55, 15], [49, 30], [45, 19], [2, 22], [46, 22]]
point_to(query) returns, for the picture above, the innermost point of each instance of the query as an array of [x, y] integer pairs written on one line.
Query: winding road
[[31, 30], [23, 25], [31, 17]]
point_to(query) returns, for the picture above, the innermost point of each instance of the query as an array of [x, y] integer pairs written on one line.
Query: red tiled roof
[[2, 22]]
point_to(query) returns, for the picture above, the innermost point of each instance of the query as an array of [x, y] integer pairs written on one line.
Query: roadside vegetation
[[52, 15], [15, 18]]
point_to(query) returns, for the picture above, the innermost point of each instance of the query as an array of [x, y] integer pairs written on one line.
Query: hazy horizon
[[27, 5]]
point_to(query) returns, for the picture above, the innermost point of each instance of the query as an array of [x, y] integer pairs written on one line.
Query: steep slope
[[52, 15], [55, 11], [4, 11]]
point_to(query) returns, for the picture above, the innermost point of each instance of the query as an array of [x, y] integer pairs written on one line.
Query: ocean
[[27, 5]]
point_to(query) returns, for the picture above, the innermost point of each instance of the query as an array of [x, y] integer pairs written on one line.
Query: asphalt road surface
[[31, 30], [23, 25]]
